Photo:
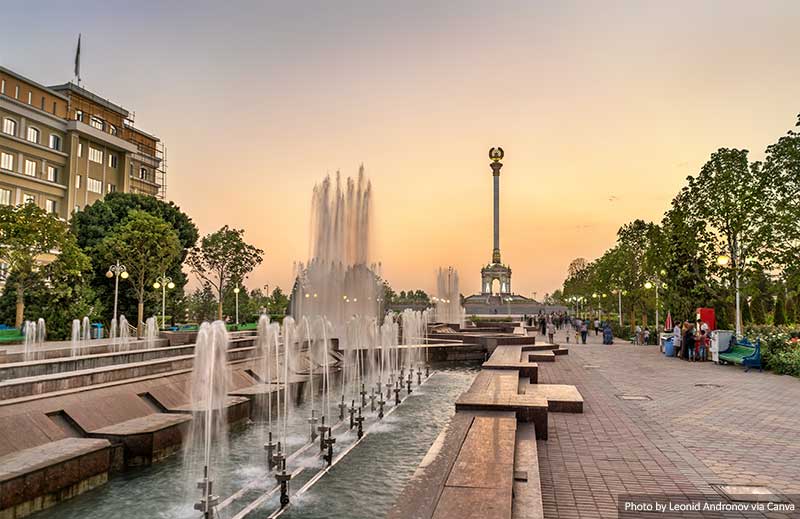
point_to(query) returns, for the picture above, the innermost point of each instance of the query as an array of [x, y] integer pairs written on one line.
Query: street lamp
[[724, 261], [236, 292], [657, 283], [116, 271], [164, 282]]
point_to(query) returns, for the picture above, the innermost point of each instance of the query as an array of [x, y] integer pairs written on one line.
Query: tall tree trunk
[[20, 307], [219, 302], [139, 319]]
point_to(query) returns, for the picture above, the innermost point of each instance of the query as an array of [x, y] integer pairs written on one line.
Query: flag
[[78, 60], [668, 323]]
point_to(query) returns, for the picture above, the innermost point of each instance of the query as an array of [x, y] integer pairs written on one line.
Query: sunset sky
[[603, 108]]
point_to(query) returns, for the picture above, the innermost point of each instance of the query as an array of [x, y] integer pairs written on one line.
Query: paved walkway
[[742, 429]]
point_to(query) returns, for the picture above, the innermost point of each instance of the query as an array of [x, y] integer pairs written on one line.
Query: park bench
[[743, 352]]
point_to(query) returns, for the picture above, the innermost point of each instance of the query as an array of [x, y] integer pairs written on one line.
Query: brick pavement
[[747, 431]]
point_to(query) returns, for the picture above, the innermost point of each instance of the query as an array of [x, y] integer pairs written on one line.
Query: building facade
[[63, 147]]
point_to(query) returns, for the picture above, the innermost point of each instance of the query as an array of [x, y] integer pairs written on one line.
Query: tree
[[741, 210], [223, 260], [31, 241], [202, 305], [147, 246], [779, 317], [95, 222], [279, 302]]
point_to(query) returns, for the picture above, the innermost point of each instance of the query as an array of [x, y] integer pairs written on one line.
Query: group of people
[[549, 324], [691, 342]]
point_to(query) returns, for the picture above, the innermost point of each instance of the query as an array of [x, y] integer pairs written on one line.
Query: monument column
[[496, 154]]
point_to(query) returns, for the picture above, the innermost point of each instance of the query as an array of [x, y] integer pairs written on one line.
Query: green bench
[[743, 353]]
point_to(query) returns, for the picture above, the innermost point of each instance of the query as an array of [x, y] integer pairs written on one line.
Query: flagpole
[[78, 61]]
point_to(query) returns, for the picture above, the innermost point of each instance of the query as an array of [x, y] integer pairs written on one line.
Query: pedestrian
[[676, 338], [646, 335], [584, 331], [551, 331], [702, 346], [596, 327], [608, 335], [638, 336], [689, 343]]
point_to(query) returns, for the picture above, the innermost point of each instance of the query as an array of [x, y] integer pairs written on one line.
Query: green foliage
[[779, 317], [95, 222], [748, 212], [36, 246], [146, 245], [223, 260]]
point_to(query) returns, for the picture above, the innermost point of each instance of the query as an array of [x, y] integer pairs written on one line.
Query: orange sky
[[603, 108]]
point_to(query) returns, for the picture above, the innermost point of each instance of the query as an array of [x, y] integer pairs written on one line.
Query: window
[[52, 174], [33, 134], [112, 160], [55, 105], [50, 206], [7, 161], [77, 181], [112, 129], [29, 199], [94, 186], [10, 126], [42, 103], [111, 188], [79, 115], [96, 122], [16, 92], [5, 196], [3, 86], [30, 97], [55, 141], [143, 173], [30, 168], [80, 149], [95, 155]]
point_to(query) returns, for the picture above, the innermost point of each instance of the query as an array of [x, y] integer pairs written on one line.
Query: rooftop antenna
[[78, 61]]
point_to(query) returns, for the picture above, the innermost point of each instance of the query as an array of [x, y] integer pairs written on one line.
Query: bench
[[744, 353]]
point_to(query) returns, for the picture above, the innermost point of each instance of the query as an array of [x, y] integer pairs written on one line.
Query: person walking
[[584, 331], [551, 331], [689, 343], [638, 336], [676, 338], [596, 327]]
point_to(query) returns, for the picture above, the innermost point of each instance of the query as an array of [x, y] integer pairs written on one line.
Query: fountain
[[75, 344], [448, 298], [41, 333], [124, 334], [208, 437], [338, 281], [29, 331], [86, 331], [150, 332]]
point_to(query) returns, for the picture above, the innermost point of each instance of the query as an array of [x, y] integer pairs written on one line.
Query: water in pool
[[364, 484]]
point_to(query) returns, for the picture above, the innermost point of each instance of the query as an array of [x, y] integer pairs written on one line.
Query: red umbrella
[[668, 323]]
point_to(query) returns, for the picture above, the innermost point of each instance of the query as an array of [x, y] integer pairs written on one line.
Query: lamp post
[[724, 261], [164, 282], [236, 293], [657, 283], [619, 303], [595, 295], [116, 271]]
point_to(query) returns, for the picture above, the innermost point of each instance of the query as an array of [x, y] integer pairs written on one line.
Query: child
[[701, 346]]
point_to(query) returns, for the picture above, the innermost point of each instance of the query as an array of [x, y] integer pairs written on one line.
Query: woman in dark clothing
[[688, 343]]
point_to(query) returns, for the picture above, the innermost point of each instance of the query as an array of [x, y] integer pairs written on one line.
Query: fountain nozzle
[[360, 420], [312, 422], [208, 500], [270, 448]]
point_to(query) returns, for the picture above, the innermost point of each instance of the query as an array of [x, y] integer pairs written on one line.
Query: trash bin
[[669, 347], [97, 331]]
